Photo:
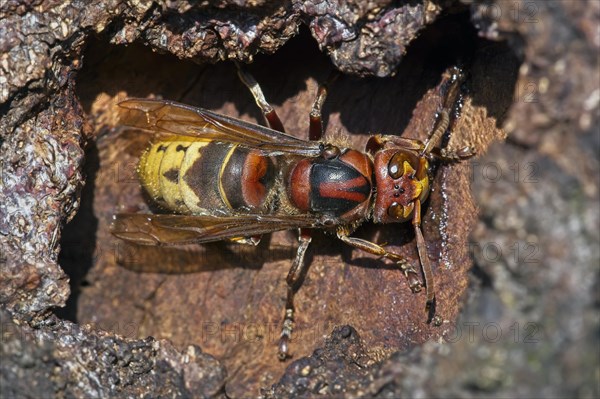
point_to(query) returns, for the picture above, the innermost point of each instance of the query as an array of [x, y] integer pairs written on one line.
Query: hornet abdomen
[[203, 177]]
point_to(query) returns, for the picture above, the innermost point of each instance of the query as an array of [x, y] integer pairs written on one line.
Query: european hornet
[[221, 178]]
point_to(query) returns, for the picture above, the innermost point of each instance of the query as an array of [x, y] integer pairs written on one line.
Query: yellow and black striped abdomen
[[203, 177]]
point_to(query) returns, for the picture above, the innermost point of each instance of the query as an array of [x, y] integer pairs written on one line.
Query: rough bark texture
[[530, 322]]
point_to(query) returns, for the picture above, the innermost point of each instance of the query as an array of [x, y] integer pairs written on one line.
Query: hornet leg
[[294, 280], [411, 274], [300, 267], [266, 108], [315, 130]]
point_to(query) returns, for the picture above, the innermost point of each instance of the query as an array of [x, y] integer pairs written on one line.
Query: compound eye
[[400, 164], [396, 210], [396, 165]]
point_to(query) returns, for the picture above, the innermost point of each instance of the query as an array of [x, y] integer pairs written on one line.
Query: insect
[[220, 178]]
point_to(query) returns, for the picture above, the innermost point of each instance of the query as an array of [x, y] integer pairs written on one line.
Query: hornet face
[[402, 177]]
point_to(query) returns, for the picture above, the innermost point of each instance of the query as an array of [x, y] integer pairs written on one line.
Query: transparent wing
[[184, 120], [163, 229]]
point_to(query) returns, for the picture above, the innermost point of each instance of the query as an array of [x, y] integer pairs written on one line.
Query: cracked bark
[[62, 65]]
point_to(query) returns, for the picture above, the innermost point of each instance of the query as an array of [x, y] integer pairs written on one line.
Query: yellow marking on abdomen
[[169, 173], [149, 168]]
